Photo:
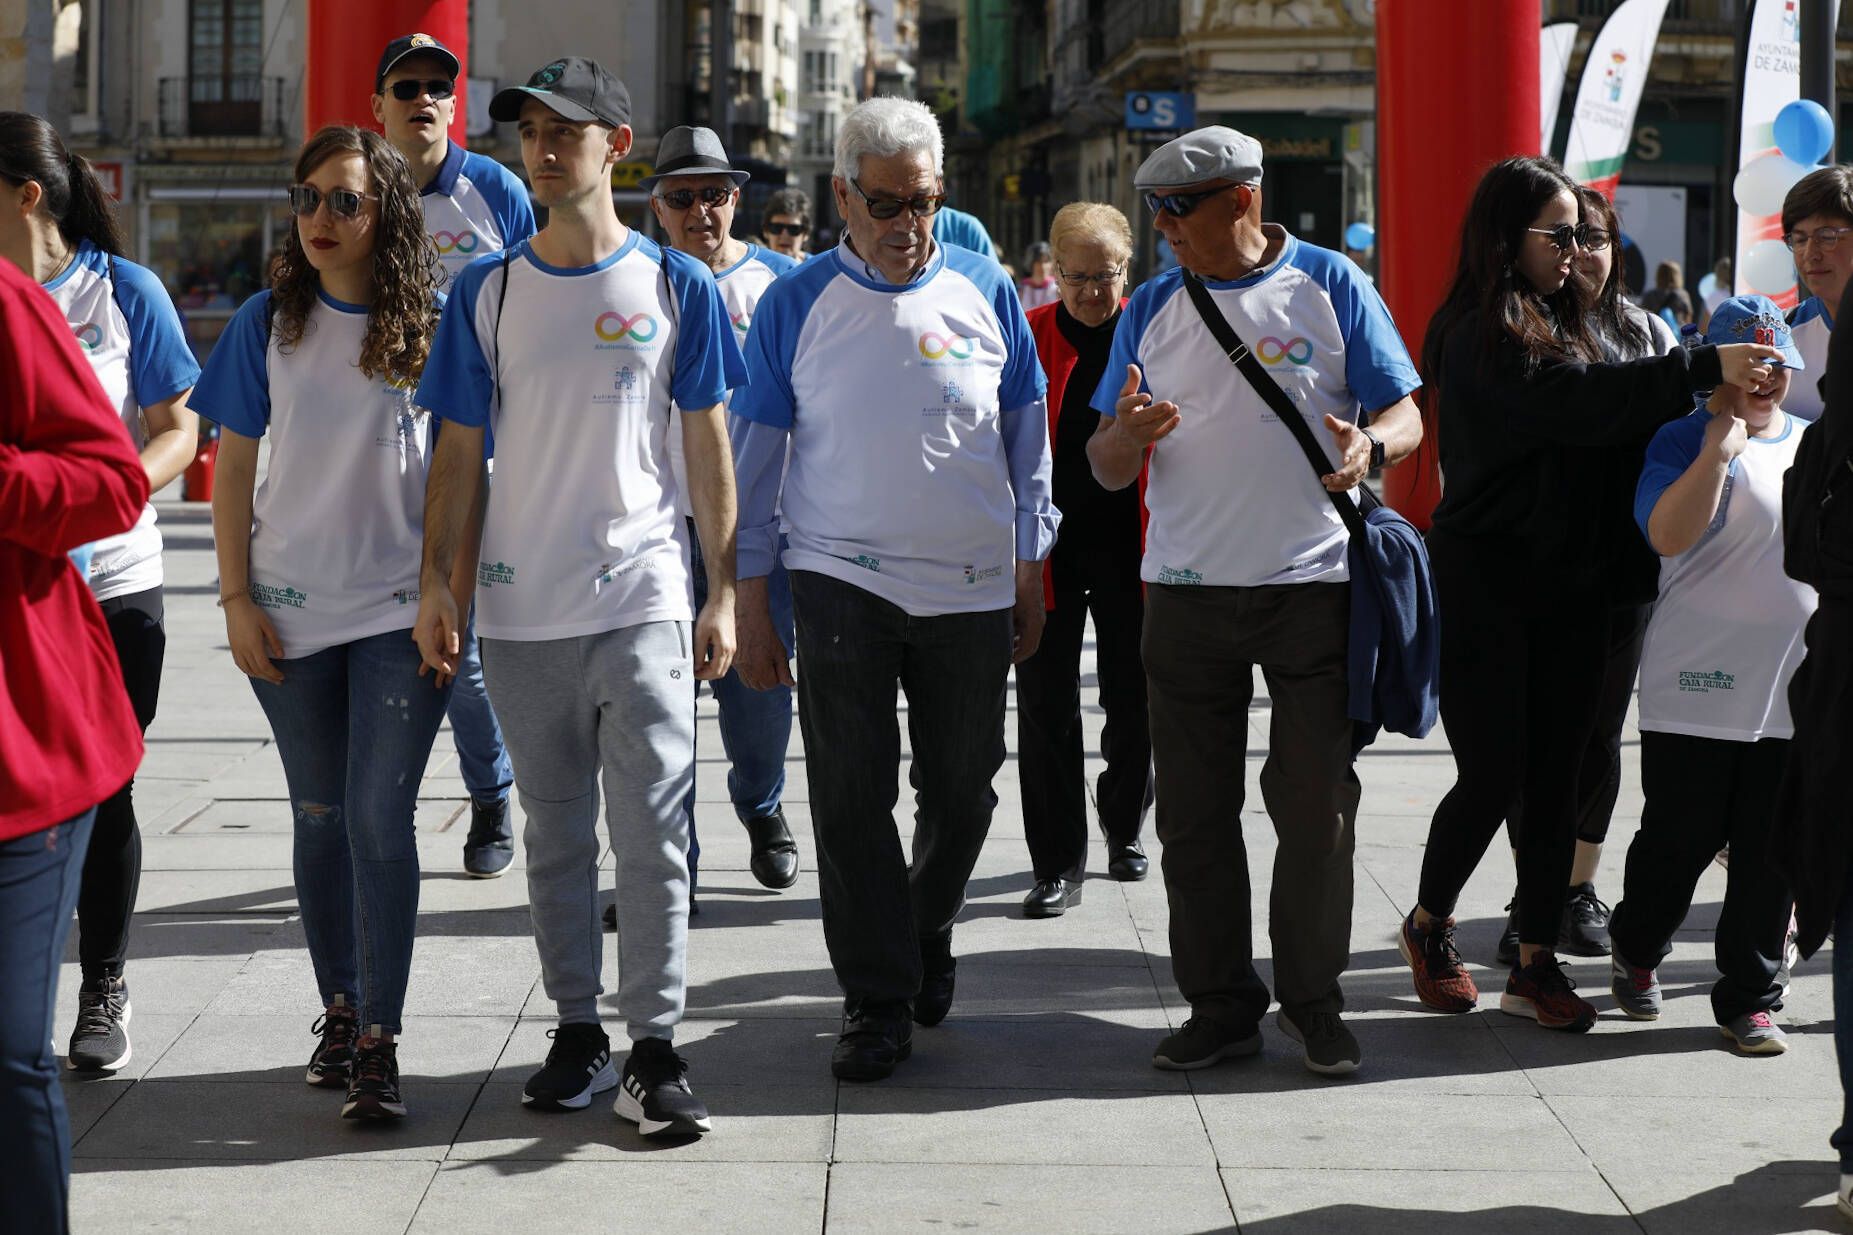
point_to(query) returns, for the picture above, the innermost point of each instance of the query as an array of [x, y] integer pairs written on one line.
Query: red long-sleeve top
[[68, 475]]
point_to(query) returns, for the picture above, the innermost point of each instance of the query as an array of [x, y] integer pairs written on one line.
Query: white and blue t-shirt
[[919, 449], [1812, 327], [127, 326], [473, 206], [1233, 501], [741, 285], [1726, 632], [956, 227], [337, 524], [573, 371]]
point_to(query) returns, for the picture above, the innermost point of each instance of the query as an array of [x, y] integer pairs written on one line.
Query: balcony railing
[[223, 107], [1128, 21]]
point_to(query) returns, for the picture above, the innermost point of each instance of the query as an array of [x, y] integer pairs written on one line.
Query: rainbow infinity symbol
[[614, 326], [1273, 351], [89, 336], [935, 346], [455, 242]]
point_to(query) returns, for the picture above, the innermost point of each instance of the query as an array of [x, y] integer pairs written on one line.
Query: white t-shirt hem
[[592, 626], [911, 599], [379, 626], [1784, 732], [1151, 572]]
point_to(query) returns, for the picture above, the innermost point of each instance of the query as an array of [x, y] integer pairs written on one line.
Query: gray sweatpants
[[615, 703]]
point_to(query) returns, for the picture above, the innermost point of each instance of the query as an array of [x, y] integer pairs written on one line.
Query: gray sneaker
[[1330, 1048], [1756, 1034], [1636, 991], [1201, 1043]]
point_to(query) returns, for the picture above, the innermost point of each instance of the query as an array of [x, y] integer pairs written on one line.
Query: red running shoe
[[1441, 979], [1545, 993]]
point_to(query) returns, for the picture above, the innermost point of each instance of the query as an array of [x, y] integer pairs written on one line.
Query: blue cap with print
[[1754, 319]]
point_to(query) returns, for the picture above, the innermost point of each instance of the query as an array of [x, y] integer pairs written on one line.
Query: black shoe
[[875, 1037], [1201, 1043], [1051, 898], [655, 1094], [938, 970], [332, 1064], [374, 1091], [1507, 952], [100, 1043], [1585, 928], [578, 1066], [490, 846], [775, 854], [694, 908], [1330, 1048], [1128, 863]]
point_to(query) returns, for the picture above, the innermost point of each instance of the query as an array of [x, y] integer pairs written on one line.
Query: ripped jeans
[[354, 725]]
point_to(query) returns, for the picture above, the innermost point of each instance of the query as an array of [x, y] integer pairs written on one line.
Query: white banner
[[1602, 126], [1555, 43], [1772, 80]]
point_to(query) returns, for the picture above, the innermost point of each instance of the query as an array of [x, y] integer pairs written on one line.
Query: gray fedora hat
[[690, 150]]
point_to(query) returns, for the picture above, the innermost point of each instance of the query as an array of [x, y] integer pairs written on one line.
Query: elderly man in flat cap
[[1245, 565]]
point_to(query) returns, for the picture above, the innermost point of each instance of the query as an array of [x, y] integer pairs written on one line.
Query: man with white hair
[[904, 377]]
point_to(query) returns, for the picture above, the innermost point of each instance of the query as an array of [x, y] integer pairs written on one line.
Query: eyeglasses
[[1598, 241], [785, 229], [683, 199], [1825, 238], [1565, 236], [1178, 205], [920, 205], [1105, 278], [409, 89], [306, 199]]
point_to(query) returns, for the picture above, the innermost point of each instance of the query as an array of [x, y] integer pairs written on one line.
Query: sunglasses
[[920, 205], [409, 89], [1567, 235], [306, 199], [682, 199], [785, 229], [1178, 205]]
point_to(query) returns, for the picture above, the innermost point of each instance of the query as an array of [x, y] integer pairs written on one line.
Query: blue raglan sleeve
[[161, 365], [771, 347], [514, 213], [234, 388], [708, 362], [1023, 416], [1377, 365], [1127, 336], [1669, 454], [458, 383]]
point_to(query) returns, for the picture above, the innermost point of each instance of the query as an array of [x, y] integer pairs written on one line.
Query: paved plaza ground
[[1034, 1107]]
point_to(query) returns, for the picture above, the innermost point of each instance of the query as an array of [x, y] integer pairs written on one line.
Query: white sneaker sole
[[1765, 1046], [1343, 1067], [128, 1049], [1518, 1005], [605, 1078], [630, 1110]]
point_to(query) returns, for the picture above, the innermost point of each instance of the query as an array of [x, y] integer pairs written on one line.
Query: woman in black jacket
[[1529, 412]]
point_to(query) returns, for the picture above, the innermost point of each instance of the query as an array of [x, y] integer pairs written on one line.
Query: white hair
[[885, 127]]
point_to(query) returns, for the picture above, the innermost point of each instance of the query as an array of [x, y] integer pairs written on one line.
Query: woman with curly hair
[[319, 575]]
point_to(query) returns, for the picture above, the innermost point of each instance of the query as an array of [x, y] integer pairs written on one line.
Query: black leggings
[[1521, 677], [113, 867]]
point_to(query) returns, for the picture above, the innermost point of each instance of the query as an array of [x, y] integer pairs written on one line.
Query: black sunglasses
[[306, 199], [920, 205], [785, 229], [682, 199], [1564, 235], [1177, 205], [409, 89]]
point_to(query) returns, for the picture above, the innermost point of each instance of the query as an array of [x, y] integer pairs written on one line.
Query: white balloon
[[1768, 268], [1765, 181]]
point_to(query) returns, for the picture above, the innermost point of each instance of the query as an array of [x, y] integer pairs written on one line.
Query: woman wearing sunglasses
[[1530, 408], [787, 226], [319, 575]]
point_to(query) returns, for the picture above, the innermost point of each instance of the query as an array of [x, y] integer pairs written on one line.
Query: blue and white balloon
[[1804, 131]]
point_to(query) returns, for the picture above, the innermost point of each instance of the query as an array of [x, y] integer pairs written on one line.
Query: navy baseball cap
[[574, 87], [1754, 319], [414, 45]]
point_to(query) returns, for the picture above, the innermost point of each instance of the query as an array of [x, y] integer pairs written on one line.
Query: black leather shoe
[[1051, 898], [937, 972], [875, 1037], [1128, 863], [775, 854]]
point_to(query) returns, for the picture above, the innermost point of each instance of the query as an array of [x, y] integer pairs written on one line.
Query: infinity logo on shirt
[[455, 242], [89, 336], [742, 322], [1272, 351], [934, 346], [614, 326]]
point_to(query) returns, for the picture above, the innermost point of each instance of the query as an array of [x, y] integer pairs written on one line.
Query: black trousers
[[854, 649], [1521, 681], [113, 866], [1702, 794], [1050, 756]]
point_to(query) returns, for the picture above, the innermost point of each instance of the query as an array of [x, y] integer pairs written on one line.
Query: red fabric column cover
[[345, 41]]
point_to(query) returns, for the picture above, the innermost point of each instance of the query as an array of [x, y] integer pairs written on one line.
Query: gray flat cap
[[1213, 153]]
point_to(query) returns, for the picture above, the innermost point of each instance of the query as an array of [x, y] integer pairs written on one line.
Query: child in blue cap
[[1724, 639]]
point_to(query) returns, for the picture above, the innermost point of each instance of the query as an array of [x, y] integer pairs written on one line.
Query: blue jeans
[[755, 724], [354, 725], [40, 873], [481, 756], [1843, 1021]]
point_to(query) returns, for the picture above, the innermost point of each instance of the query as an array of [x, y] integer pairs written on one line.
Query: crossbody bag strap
[[1276, 399]]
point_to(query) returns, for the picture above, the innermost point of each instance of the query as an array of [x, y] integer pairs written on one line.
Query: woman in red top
[[1094, 567], [68, 476]]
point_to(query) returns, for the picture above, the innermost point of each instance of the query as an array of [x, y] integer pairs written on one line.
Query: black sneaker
[[938, 973], [655, 1094], [100, 1043], [1330, 1048], [1201, 1043], [775, 854], [578, 1066], [876, 1036], [1507, 952], [1585, 928], [374, 1091], [490, 846], [332, 1064]]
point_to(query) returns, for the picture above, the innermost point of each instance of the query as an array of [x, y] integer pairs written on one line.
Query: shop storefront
[[209, 236]]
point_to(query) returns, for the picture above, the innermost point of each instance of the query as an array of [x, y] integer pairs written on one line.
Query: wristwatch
[[1376, 448]]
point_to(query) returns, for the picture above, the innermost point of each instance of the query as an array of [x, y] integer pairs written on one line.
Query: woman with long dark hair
[[319, 575], [59, 227], [1530, 409]]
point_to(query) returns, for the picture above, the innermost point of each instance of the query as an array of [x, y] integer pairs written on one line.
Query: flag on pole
[[1555, 44], [1610, 93]]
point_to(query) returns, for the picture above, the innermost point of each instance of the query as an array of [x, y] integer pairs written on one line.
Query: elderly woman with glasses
[[1094, 567]]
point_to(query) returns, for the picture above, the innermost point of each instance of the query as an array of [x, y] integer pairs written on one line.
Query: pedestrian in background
[[1037, 286], [786, 226]]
